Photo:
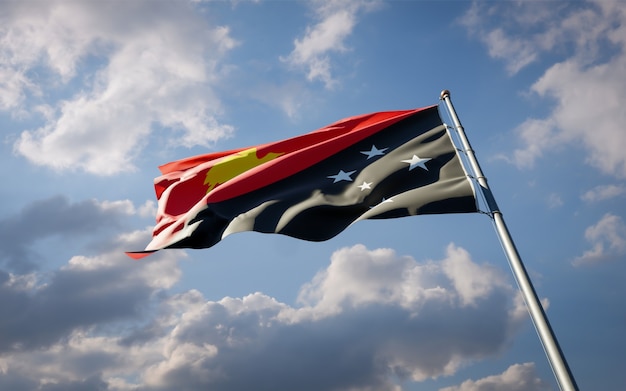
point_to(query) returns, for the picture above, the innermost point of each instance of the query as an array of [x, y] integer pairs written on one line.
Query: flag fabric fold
[[374, 166]]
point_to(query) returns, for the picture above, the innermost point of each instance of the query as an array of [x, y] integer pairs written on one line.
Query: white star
[[342, 176], [365, 185], [374, 152], [416, 161]]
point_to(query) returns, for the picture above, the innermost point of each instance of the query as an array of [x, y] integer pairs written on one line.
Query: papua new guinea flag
[[373, 166]]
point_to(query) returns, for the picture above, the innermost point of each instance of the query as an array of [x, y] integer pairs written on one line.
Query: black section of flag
[[419, 172]]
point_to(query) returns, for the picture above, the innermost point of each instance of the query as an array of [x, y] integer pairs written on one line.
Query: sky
[[95, 95]]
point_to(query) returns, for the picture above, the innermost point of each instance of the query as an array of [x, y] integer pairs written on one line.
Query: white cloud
[[366, 321], [358, 276], [87, 291], [520, 33], [588, 86], [373, 305], [337, 19], [148, 209], [538, 135], [608, 239], [588, 110], [155, 275], [518, 377], [133, 65], [471, 281], [13, 84], [554, 200], [120, 206], [57, 217], [517, 53], [604, 192]]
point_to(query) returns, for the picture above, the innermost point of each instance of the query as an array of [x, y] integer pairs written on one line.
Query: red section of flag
[[139, 254]]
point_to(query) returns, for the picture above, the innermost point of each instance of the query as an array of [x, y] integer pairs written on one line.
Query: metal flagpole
[[546, 335]]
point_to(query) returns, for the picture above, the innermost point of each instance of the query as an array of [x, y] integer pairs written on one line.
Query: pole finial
[[444, 94]]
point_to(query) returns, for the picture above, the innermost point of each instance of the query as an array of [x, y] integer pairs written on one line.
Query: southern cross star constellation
[[413, 162]]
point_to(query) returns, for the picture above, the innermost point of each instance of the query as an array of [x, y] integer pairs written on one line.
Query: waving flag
[[373, 166]]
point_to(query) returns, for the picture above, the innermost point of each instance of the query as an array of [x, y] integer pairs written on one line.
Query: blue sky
[[95, 95]]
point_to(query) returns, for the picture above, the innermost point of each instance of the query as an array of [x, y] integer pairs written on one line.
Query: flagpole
[[551, 347]]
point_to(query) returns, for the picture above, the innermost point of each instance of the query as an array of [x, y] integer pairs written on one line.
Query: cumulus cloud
[[367, 318], [55, 217], [107, 75], [371, 318], [38, 310], [371, 305], [604, 192], [587, 110], [518, 377], [608, 240], [336, 20], [587, 86]]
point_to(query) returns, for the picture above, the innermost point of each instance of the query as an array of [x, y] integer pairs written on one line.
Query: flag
[[373, 166]]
